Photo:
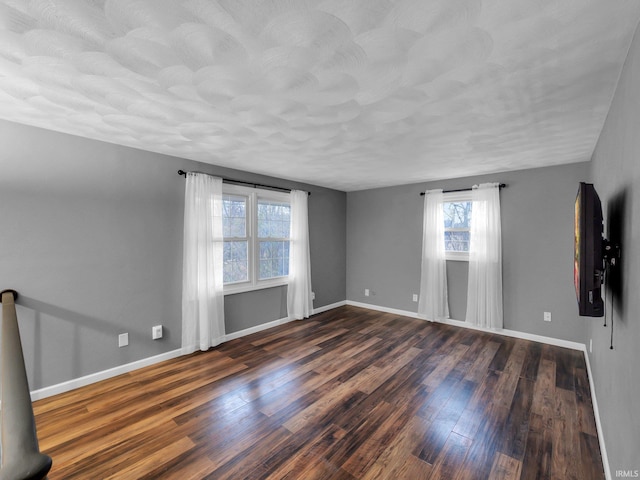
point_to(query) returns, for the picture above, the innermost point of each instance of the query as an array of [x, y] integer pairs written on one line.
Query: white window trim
[[253, 194], [450, 197]]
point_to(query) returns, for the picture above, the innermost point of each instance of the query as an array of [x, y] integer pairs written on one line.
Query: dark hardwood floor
[[347, 394]]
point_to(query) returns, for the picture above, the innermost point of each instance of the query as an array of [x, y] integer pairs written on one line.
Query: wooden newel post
[[21, 457]]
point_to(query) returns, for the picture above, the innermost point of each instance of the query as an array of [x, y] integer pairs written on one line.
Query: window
[[457, 225], [274, 220], [236, 239], [256, 226]]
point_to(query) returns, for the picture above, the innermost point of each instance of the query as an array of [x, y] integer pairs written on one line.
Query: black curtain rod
[[502, 185], [241, 182]]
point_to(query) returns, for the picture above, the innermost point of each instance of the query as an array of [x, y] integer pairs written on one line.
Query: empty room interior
[[372, 264]]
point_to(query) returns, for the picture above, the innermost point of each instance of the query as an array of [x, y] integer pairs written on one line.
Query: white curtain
[[484, 294], [202, 280], [433, 303], [299, 302]]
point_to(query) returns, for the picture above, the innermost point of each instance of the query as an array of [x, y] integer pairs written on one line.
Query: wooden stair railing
[[21, 457]]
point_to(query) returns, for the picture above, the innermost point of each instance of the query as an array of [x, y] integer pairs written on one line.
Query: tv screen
[[588, 254]]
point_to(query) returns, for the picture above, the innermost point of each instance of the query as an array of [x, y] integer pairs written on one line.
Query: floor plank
[[349, 394]]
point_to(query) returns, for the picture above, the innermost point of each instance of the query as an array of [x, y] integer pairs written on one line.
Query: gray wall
[[91, 237], [616, 177], [384, 237]]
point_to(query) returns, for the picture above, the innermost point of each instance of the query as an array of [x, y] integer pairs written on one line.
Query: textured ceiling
[[349, 94]]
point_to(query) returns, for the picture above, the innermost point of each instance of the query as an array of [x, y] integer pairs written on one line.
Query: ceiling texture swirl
[[349, 94]]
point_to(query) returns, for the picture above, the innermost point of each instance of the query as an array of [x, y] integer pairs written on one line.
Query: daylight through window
[[457, 211], [256, 229], [274, 219], [236, 241]]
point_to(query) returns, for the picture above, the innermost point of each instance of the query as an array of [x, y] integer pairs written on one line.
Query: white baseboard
[[522, 335], [596, 414], [281, 321], [326, 308], [103, 375], [257, 328], [404, 313], [129, 367], [458, 323]]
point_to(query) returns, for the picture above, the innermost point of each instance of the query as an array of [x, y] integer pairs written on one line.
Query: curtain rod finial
[[182, 172]]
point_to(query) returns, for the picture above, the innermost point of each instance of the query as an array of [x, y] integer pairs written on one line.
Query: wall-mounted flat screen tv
[[588, 266]]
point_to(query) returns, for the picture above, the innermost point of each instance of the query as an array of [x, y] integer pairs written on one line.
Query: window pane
[[274, 259], [236, 266], [457, 214], [234, 216], [456, 241], [273, 219]]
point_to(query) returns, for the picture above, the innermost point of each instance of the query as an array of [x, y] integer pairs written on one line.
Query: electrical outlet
[[123, 340], [415, 297], [313, 295], [366, 292], [547, 316], [591, 345], [156, 332]]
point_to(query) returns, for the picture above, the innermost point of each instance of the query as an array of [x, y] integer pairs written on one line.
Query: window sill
[[247, 287], [457, 257]]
